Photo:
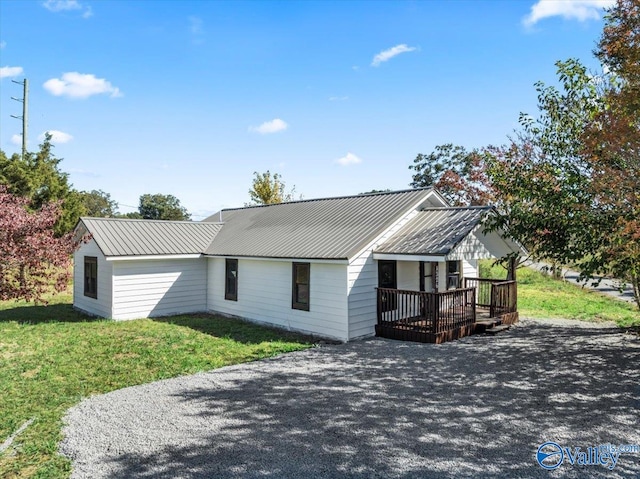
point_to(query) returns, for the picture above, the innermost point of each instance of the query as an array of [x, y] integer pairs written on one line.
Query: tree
[[568, 185], [132, 215], [99, 204], [619, 49], [269, 189], [612, 147], [39, 179], [32, 258], [458, 174], [541, 179], [162, 207], [374, 191]]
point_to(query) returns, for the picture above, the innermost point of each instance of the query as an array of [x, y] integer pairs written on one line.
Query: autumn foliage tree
[[568, 184], [612, 146], [33, 260], [458, 174]]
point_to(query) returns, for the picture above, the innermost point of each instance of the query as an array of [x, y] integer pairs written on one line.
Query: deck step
[[489, 323], [497, 329], [484, 324]]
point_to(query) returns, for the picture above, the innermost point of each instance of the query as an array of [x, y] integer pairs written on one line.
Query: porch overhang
[[409, 257]]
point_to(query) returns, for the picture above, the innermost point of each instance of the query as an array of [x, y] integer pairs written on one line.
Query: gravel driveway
[[477, 407]]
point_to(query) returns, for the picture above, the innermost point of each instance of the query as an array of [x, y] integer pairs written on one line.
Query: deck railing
[[434, 312], [498, 295]]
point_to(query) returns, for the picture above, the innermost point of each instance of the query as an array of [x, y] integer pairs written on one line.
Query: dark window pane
[[303, 293], [231, 279], [91, 276], [300, 290]]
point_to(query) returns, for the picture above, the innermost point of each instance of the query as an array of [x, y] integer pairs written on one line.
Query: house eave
[[153, 257], [408, 257], [282, 258]]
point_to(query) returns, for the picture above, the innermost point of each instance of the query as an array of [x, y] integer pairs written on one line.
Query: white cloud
[[349, 159], [16, 139], [196, 28], [272, 126], [3, 44], [57, 136], [79, 85], [67, 5], [388, 54], [338, 98], [581, 10], [195, 25], [10, 72]]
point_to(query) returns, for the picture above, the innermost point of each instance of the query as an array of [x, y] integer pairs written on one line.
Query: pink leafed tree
[[33, 261]]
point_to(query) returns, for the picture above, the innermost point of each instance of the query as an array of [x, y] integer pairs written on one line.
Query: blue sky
[[191, 97]]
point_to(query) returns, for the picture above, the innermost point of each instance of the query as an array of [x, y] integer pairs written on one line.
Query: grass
[[540, 296], [52, 356]]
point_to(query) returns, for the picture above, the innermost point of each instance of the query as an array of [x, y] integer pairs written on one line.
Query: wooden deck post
[[435, 281], [511, 268], [436, 312]]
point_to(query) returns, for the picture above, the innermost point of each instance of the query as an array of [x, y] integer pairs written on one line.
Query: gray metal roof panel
[[128, 237], [330, 228], [434, 231]]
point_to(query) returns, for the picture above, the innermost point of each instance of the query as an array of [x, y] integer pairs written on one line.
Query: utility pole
[[25, 104]]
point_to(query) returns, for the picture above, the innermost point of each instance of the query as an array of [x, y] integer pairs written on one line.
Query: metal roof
[[434, 231], [127, 237], [331, 228]]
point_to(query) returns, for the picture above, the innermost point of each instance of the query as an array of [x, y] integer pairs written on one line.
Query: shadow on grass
[[236, 329], [37, 314]]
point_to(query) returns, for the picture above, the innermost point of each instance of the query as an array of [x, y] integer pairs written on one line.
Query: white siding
[[362, 283], [159, 287], [442, 276], [479, 246], [469, 268], [264, 295], [101, 306], [409, 275]]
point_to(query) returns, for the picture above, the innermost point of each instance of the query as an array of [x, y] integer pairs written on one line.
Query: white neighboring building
[[311, 266]]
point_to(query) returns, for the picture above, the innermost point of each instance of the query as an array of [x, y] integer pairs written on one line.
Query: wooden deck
[[439, 317]]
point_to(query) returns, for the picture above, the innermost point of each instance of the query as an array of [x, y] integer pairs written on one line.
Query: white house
[[311, 266]]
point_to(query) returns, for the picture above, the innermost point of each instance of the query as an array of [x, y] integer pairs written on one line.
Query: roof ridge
[[142, 220], [311, 200], [440, 208]]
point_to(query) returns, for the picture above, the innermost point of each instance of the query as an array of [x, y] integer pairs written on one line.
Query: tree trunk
[[635, 281]]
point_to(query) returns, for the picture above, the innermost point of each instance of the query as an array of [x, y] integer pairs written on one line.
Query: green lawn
[[51, 357], [540, 296]]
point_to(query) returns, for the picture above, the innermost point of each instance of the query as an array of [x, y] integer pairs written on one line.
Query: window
[[231, 280], [453, 274], [300, 283], [91, 276]]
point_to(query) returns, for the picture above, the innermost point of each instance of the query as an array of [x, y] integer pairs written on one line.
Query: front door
[[387, 278]]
